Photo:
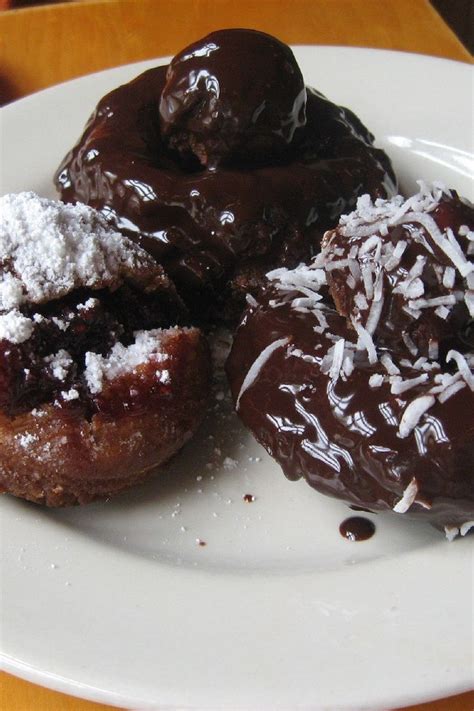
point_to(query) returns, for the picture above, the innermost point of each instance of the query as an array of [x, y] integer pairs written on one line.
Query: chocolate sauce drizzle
[[357, 528]]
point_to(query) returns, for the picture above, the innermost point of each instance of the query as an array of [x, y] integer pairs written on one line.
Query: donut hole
[[212, 106]]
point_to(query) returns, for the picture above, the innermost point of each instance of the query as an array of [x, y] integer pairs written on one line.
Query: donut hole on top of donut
[[223, 165], [98, 381]]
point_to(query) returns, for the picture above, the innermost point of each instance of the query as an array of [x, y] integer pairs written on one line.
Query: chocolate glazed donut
[[223, 166], [356, 372]]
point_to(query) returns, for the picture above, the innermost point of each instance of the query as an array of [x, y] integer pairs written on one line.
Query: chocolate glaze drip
[[357, 528], [218, 229], [342, 436]]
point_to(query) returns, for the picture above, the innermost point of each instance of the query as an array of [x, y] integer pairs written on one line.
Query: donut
[[223, 165], [356, 371], [101, 379]]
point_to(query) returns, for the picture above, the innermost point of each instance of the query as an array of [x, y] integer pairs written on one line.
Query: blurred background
[[459, 15]]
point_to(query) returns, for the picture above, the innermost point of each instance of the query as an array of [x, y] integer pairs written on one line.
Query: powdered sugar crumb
[[59, 364], [71, 394], [15, 327], [122, 359], [230, 463], [25, 440]]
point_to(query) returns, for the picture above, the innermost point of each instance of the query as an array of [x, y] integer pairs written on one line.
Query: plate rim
[[60, 683]]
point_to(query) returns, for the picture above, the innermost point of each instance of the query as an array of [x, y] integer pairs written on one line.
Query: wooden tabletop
[[72, 39], [76, 38]]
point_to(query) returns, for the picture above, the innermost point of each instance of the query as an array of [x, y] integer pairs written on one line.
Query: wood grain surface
[[76, 38], [44, 45]]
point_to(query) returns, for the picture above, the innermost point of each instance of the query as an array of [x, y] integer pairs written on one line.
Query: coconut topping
[[391, 268], [257, 365], [408, 498], [453, 531]]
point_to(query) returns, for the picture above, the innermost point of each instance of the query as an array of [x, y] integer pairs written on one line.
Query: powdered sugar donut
[[98, 383], [357, 372]]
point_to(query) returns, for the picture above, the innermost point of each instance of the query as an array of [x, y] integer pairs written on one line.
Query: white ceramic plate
[[117, 602]]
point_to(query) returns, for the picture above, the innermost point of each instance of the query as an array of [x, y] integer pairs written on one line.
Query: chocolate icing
[[395, 320], [215, 108], [217, 229], [340, 434], [357, 528]]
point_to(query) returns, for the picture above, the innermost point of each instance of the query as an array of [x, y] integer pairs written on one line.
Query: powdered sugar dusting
[[59, 364], [122, 359], [15, 327], [49, 249]]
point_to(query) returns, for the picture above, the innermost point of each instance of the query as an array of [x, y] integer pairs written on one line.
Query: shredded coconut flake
[[257, 365], [389, 365], [402, 386], [365, 341], [376, 380], [453, 531], [463, 366], [466, 527], [338, 356], [408, 497], [451, 390], [413, 413]]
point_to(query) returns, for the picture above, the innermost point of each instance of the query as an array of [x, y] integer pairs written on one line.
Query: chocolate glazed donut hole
[[356, 372]]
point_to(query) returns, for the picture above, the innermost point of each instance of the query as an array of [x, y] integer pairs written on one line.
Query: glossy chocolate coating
[[342, 435], [215, 107], [450, 212], [217, 232], [338, 437]]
